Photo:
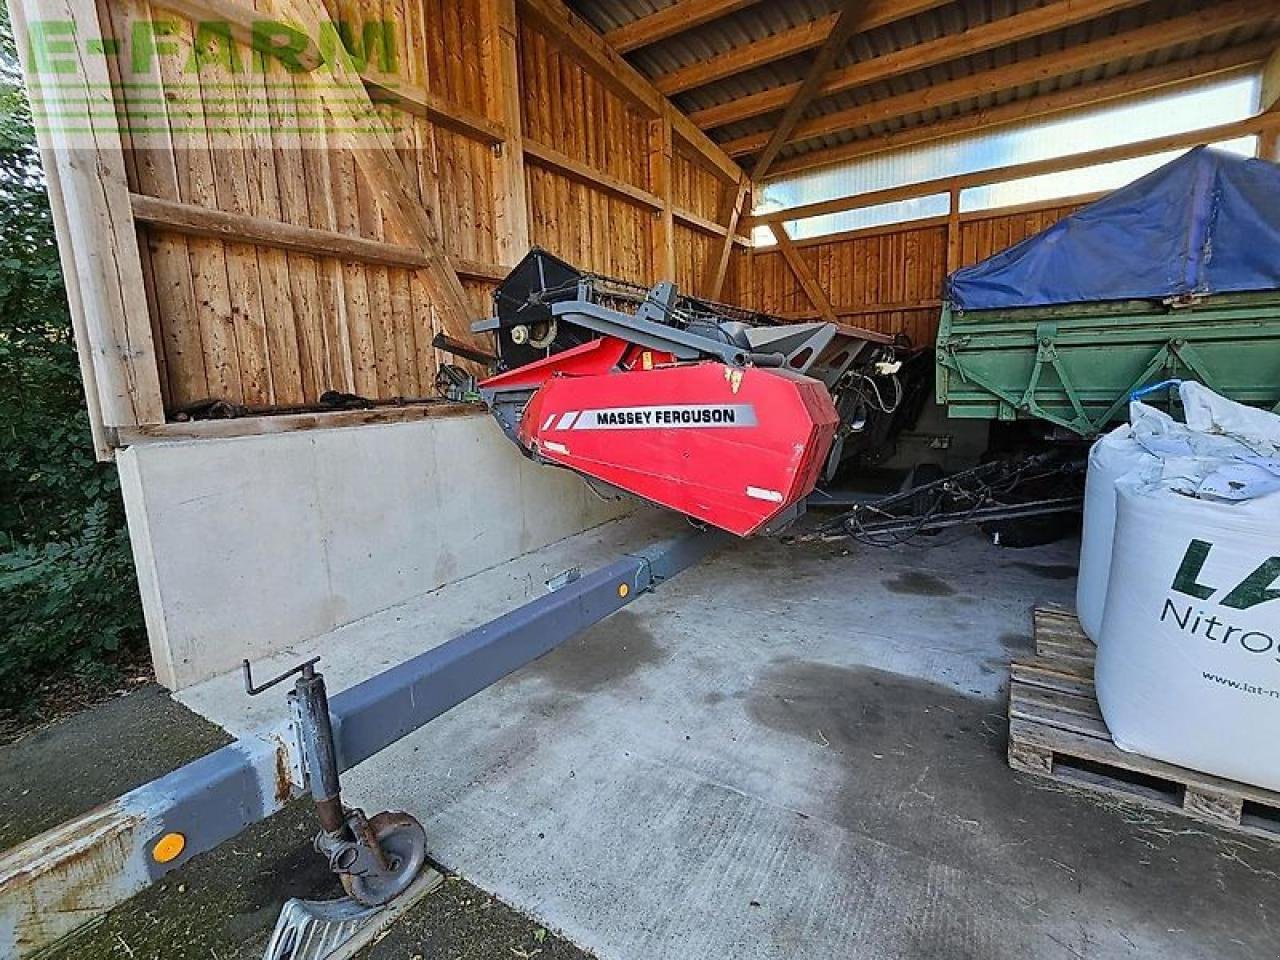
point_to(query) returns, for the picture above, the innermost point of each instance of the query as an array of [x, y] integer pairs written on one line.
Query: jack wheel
[[404, 843]]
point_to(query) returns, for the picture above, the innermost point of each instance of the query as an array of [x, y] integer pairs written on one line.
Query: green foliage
[[68, 598]]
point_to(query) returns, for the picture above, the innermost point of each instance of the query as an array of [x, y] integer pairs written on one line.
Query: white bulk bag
[[1188, 667], [1209, 413], [1113, 456]]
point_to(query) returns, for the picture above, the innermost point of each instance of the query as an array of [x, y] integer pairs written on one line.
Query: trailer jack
[[376, 858]]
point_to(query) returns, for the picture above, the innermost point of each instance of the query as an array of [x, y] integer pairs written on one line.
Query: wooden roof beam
[[1158, 36], [788, 43], [677, 18], [988, 36], [850, 19], [1125, 86]]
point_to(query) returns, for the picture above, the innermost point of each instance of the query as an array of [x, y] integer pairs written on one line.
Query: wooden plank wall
[[701, 192], [253, 324], [887, 278], [570, 111], [317, 278]]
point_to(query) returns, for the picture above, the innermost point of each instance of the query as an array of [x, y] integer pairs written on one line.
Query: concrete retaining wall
[[245, 546]]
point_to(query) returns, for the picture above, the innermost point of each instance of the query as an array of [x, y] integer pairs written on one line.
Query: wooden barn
[[261, 205], [280, 221]]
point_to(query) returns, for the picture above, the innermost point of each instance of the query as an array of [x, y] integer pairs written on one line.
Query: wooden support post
[[953, 230], [97, 239], [808, 282], [663, 234], [1269, 102], [502, 93], [720, 266]]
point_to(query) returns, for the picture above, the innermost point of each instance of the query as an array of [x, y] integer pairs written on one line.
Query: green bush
[[68, 597]]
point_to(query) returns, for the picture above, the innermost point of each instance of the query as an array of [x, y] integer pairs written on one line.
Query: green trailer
[[1175, 276], [1075, 365]]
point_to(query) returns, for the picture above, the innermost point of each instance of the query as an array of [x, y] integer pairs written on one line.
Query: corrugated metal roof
[[770, 17]]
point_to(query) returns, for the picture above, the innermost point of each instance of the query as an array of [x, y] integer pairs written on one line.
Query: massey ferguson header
[[726, 416]]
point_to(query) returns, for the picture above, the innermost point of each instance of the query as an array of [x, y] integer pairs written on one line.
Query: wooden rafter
[[808, 282], [921, 56], [667, 22], [1142, 82], [708, 151], [1194, 26], [566, 29], [786, 43], [850, 18]]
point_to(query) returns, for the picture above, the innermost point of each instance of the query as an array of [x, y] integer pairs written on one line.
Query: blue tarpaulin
[[1209, 222]]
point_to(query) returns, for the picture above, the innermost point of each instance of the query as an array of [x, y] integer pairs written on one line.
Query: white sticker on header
[[666, 417]]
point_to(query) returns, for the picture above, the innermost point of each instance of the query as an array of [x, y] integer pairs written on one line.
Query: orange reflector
[[169, 847], [623, 589]]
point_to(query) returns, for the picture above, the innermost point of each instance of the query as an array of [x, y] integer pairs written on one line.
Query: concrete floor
[[787, 752]]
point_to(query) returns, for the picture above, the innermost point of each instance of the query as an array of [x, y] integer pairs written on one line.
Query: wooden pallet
[[1056, 730]]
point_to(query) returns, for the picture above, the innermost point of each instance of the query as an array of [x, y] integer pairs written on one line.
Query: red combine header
[[723, 415]]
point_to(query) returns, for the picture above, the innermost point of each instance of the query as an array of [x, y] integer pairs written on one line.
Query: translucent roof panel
[[1219, 101], [1086, 180]]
